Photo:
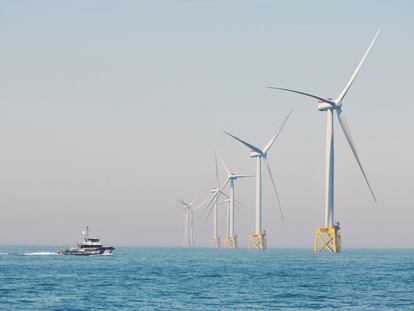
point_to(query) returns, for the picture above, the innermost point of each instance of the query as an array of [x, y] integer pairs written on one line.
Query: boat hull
[[86, 252]]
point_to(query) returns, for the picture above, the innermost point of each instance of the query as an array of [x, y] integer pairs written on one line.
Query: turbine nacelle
[[234, 176], [324, 105], [255, 154]]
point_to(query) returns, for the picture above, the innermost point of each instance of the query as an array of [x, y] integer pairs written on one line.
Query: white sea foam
[[40, 254], [3, 254]]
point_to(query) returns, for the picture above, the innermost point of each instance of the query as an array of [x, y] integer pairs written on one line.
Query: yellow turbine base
[[230, 242], [327, 238], [214, 243], [257, 241]]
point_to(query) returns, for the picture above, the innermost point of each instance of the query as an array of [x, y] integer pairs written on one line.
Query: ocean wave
[[40, 254], [106, 254], [3, 254]]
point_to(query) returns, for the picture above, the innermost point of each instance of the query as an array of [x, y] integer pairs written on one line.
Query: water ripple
[[204, 279]]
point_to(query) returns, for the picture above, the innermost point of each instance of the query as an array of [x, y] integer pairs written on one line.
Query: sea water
[[36, 278]]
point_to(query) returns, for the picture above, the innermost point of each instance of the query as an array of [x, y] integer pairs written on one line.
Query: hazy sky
[[109, 108]]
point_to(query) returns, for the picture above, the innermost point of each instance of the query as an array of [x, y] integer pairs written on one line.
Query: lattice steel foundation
[[214, 243], [231, 242], [257, 241], [327, 238]]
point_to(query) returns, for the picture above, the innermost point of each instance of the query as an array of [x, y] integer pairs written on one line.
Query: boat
[[89, 246]]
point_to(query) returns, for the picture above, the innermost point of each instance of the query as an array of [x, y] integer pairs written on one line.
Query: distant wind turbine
[[231, 238], [257, 240], [215, 240], [331, 229], [189, 210]]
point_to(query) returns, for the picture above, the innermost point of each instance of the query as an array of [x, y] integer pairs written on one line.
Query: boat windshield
[[92, 240]]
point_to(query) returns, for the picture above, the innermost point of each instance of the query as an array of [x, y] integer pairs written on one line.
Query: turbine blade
[[217, 172], [214, 199], [270, 143], [181, 201], [196, 198], [224, 165], [347, 87], [240, 203], [199, 205], [274, 187], [227, 196], [236, 203], [330, 102], [243, 176], [347, 132], [248, 145]]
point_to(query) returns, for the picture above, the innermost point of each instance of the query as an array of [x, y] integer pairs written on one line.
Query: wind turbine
[[215, 240], [329, 235], [188, 240], [258, 240], [231, 238]]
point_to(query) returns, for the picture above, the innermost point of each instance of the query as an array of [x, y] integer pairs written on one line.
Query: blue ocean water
[[31, 278]]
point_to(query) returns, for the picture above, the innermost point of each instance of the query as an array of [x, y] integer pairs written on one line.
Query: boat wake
[[40, 254]]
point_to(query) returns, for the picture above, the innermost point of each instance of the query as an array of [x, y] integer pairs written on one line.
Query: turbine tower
[[228, 203], [231, 238], [257, 240], [189, 210], [329, 237]]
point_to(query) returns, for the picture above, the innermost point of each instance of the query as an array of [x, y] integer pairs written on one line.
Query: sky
[[110, 109]]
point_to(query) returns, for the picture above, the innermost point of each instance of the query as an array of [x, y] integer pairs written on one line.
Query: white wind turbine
[[215, 240], [188, 240], [231, 238], [329, 105], [257, 240]]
